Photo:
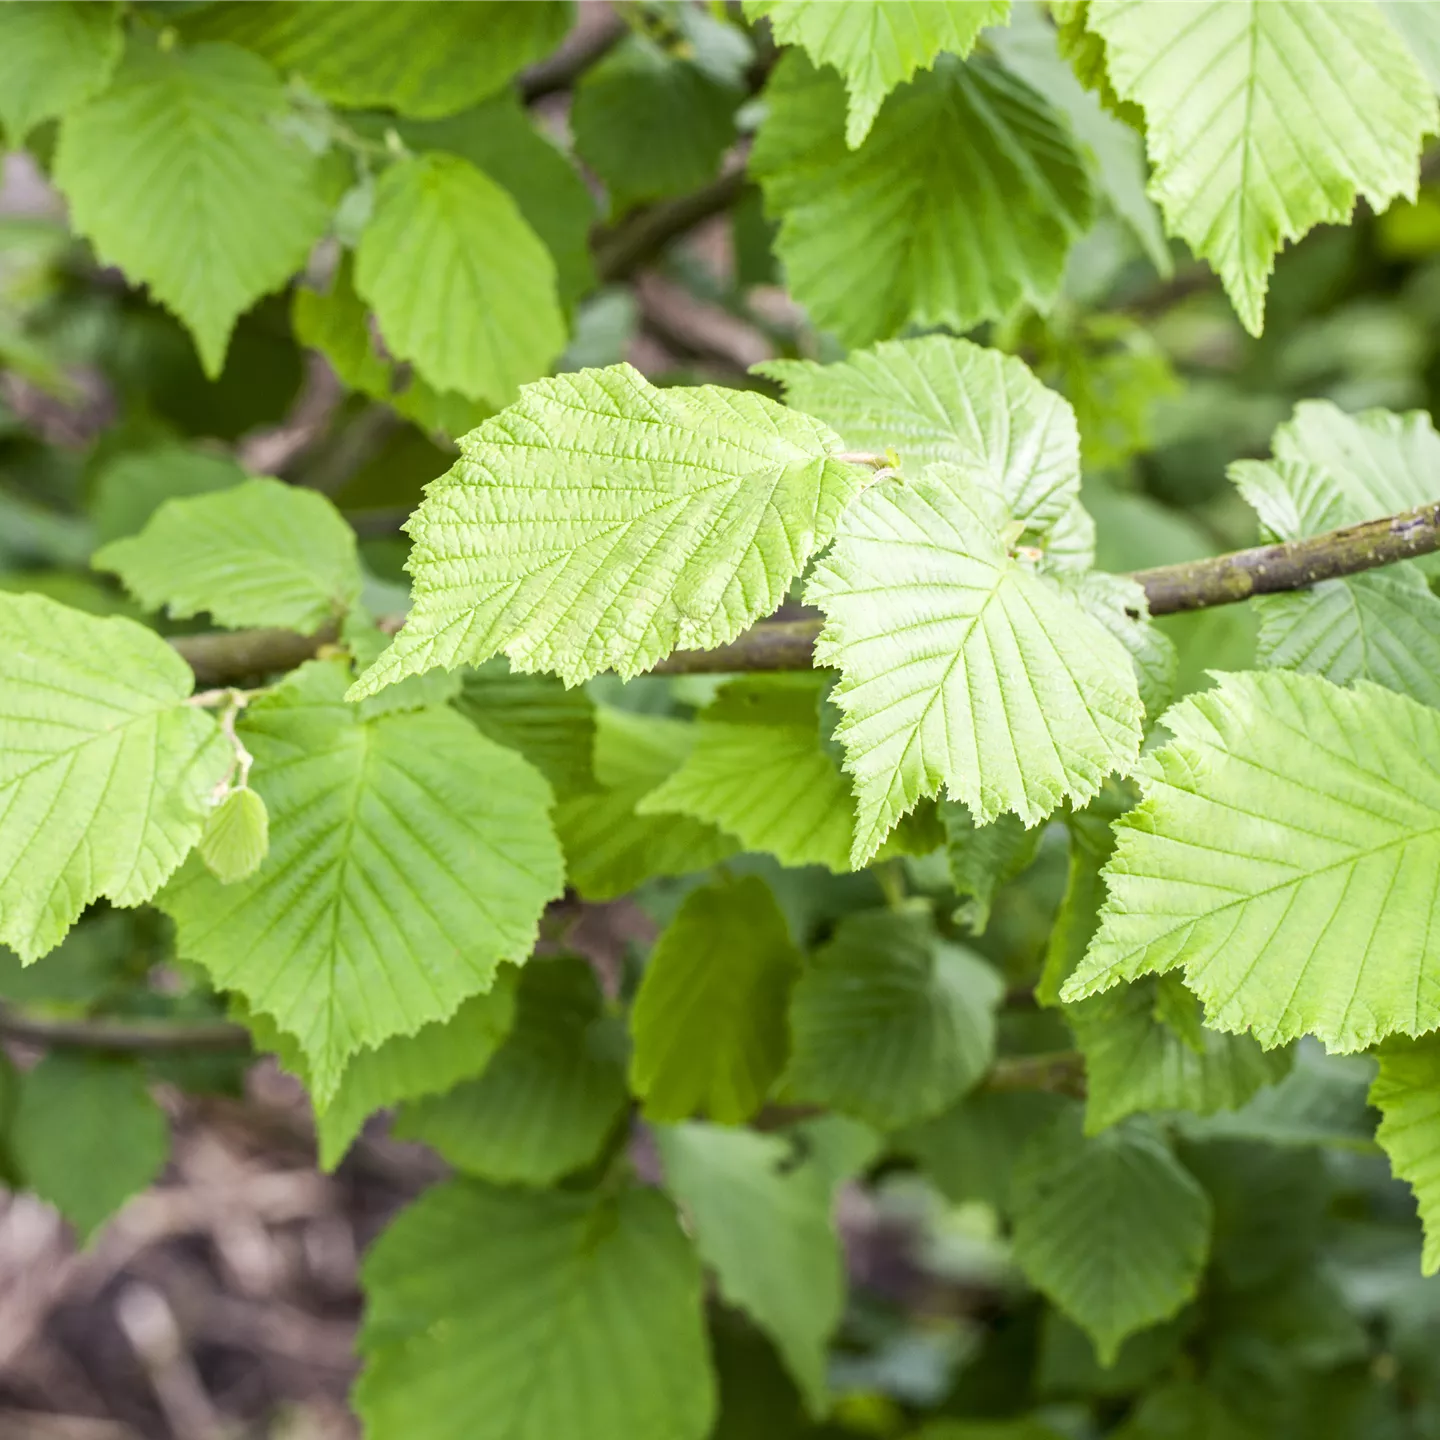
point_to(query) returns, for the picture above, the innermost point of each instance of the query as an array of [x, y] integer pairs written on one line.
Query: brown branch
[[131, 1037], [220, 658], [1060, 1071], [641, 236], [582, 48]]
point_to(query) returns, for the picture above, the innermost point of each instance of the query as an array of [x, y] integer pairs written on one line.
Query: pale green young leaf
[[436, 1057], [86, 1136], [890, 1023], [336, 323], [236, 837], [409, 855], [650, 124], [1029, 46], [1285, 856], [759, 771], [611, 849], [1119, 604], [551, 1095], [259, 553], [1145, 1049], [599, 523], [52, 56], [497, 1314], [982, 858], [1111, 1228], [460, 283], [876, 45], [130, 488], [180, 175], [422, 58], [962, 666], [105, 773], [552, 727], [937, 398], [960, 205], [709, 1022], [760, 1208], [1254, 133], [1406, 1092], [1419, 26]]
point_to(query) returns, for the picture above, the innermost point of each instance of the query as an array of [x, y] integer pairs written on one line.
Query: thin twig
[[586, 45], [642, 235], [123, 1036]]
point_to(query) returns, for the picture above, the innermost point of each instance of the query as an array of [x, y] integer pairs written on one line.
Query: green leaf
[[983, 858], [1029, 47], [131, 487], [709, 1020], [761, 1217], [960, 205], [941, 399], [610, 849], [876, 45], [651, 125], [1334, 470], [336, 323], [1120, 605], [86, 1136], [1145, 1049], [105, 772], [551, 1096], [180, 175], [409, 855], [53, 55], [552, 727], [1407, 1094], [962, 666], [425, 58], [89, 963], [600, 523], [1111, 1229], [1254, 134], [259, 553], [1285, 855], [500, 138], [434, 1058], [236, 837], [759, 771], [889, 1023], [495, 322], [508, 1315]]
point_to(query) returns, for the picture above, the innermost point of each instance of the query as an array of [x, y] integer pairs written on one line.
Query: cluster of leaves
[[371, 861]]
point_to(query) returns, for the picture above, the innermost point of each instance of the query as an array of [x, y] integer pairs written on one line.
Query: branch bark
[[640, 237], [127, 1037]]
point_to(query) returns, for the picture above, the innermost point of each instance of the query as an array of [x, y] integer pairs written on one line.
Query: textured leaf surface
[[1112, 1229], [259, 553], [52, 56], [889, 1023], [962, 667], [1145, 1049], [610, 849], [651, 124], [1407, 1094], [460, 283], [552, 727], [759, 771], [762, 1221], [941, 399], [86, 1136], [960, 204], [422, 58], [709, 1022], [180, 176], [131, 488], [1254, 133], [105, 772], [877, 45], [409, 855], [506, 1315], [1286, 854], [236, 837], [600, 523], [545, 1104]]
